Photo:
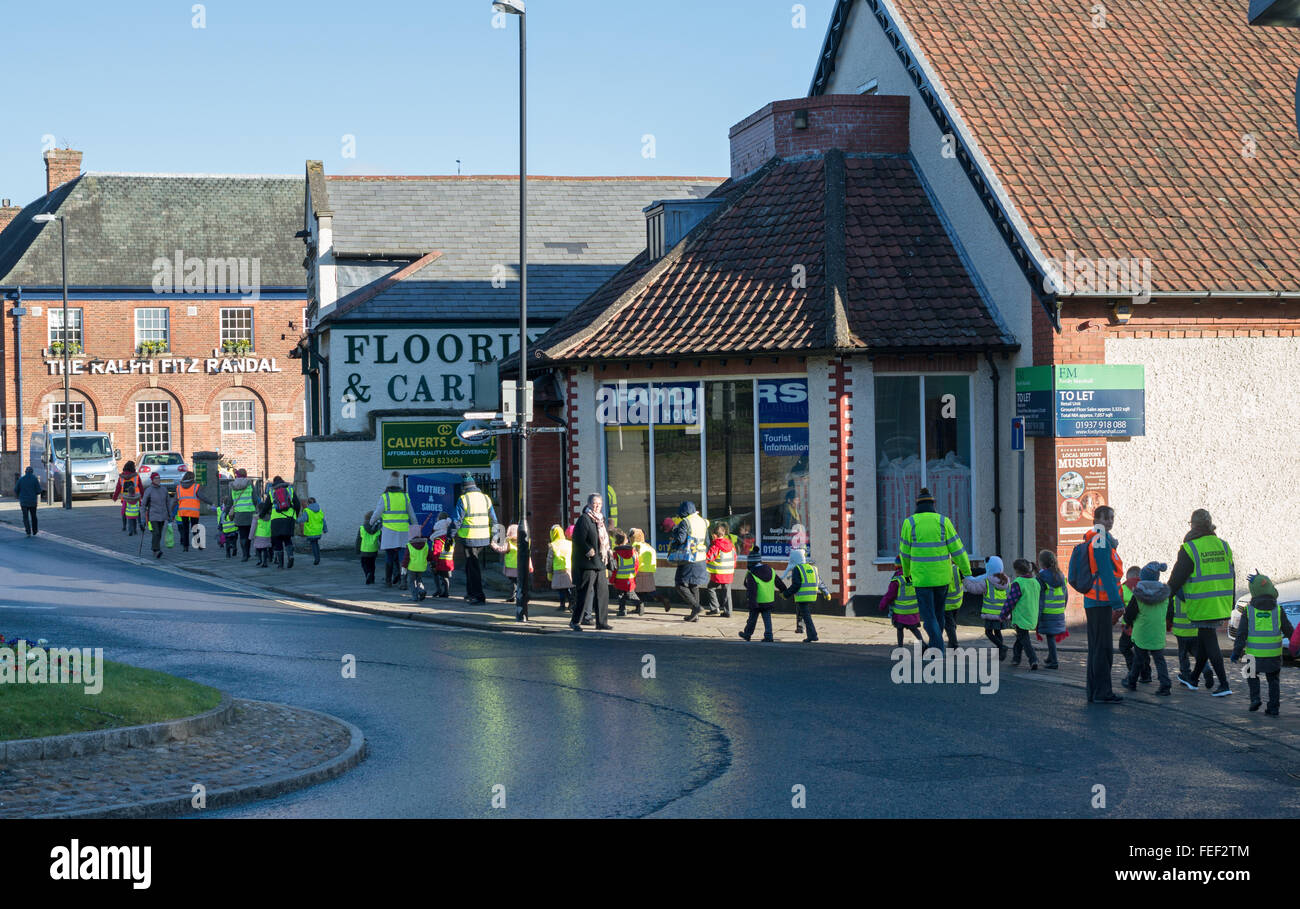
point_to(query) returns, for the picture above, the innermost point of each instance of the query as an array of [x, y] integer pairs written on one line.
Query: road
[[569, 725]]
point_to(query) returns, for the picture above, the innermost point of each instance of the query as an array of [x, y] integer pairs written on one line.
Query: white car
[[170, 465], [1288, 597]]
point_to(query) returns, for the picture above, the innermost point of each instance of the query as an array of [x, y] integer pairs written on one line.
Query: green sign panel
[[430, 443], [1082, 401], [1034, 399]]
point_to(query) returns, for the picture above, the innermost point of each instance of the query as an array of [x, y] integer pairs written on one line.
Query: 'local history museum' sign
[[417, 444], [1073, 402]]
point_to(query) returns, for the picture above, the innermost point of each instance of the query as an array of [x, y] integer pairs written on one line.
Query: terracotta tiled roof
[[1167, 134], [753, 277]]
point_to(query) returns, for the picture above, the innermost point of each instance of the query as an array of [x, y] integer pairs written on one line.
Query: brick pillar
[[61, 166], [842, 568]]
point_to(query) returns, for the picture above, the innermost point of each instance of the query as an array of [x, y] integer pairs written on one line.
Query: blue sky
[[266, 85]]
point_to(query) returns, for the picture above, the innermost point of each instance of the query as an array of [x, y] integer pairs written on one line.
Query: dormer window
[[654, 233]]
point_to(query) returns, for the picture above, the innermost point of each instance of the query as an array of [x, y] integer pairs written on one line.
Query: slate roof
[[1125, 141], [581, 230], [881, 274], [118, 224]]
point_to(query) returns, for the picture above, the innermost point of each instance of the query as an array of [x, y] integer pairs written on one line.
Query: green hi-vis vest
[[1054, 601], [808, 582], [228, 523], [133, 509], [263, 527], [929, 545], [314, 523], [1182, 624], [647, 559], [764, 591], [417, 559], [953, 600], [1149, 626], [1210, 590], [1263, 632], [369, 541], [242, 499], [475, 523], [1025, 615], [905, 603], [994, 599], [561, 555], [611, 506], [512, 554], [395, 517]]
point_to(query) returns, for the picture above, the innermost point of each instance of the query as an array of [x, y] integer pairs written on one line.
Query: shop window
[[151, 327], [675, 411], [237, 329], [57, 334], [236, 416], [153, 426], [783, 462], [627, 459], [76, 411], [729, 455], [923, 438]]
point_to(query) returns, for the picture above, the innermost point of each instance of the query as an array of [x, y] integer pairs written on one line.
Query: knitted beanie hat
[[924, 497], [1201, 520], [1151, 571]]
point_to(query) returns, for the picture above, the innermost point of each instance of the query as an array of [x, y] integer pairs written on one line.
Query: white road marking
[[29, 607]]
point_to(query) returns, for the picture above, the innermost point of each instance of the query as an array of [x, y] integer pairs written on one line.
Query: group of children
[[311, 525], [1034, 602], [632, 576], [419, 556]]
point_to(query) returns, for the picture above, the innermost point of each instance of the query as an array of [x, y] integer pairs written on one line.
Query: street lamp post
[[18, 312], [516, 8], [67, 373]]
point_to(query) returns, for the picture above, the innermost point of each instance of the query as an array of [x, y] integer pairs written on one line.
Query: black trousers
[[1025, 642], [752, 622], [392, 565], [950, 626], [1274, 693], [1101, 652], [283, 542], [691, 594], [717, 596], [474, 573], [593, 593], [1207, 648], [155, 544], [29, 519], [803, 615], [1186, 652], [186, 524], [244, 541], [368, 566]]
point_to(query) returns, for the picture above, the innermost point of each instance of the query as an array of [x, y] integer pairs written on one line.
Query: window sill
[[219, 352]]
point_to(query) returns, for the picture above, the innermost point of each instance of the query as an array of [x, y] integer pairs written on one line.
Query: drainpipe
[[997, 456], [322, 365], [564, 461]]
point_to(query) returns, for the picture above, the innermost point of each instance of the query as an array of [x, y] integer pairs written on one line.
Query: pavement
[[625, 725]]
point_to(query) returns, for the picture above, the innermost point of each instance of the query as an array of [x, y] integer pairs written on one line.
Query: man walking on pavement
[[474, 519], [1206, 576], [28, 492], [156, 511], [591, 563], [929, 549], [394, 514], [239, 503], [688, 548], [1100, 605]]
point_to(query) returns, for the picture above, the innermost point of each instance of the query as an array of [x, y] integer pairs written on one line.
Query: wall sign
[[660, 404], [1084, 401], [430, 443], [1081, 486], [151, 366], [431, 493]]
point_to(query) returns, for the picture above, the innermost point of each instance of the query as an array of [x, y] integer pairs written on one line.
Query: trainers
[[1222, 691], [1187, 683], [743, 636]]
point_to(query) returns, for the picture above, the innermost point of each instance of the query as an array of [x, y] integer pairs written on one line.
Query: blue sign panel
[[783, 417], [431, 493], [1017, 434]]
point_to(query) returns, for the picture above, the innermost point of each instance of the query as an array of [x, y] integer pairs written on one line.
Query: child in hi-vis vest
[[1145, 614], [262, 541], [991, 587], [313, 525], [444, 562], [368, 547], [623, 576], [416, 562], [559, 564], [1023, 597], [903, 607]]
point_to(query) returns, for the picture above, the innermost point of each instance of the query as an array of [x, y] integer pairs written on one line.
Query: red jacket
[[122, 478], [622, 553], [720, 546]]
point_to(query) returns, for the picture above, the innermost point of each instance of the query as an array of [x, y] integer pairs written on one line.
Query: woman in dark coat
[[591, 560]]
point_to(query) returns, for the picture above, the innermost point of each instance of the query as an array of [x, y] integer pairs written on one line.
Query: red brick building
[[185, 295]]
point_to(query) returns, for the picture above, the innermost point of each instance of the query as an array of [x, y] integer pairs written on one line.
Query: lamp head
[[513, 7], [44, 219]]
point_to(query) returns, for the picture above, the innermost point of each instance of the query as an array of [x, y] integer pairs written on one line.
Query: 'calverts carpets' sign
[[430, 443]]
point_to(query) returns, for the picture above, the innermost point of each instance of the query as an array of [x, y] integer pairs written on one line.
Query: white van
[[94, 461]]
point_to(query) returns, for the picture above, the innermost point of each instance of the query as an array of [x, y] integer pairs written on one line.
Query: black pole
[[521, 474], [67, 375], [997, 459]]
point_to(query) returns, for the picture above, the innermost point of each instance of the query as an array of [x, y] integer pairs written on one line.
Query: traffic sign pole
[[1018, 445]]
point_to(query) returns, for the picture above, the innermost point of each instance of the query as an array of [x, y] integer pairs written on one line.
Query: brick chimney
[[61, 166], [855, 124], [7, 213]]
